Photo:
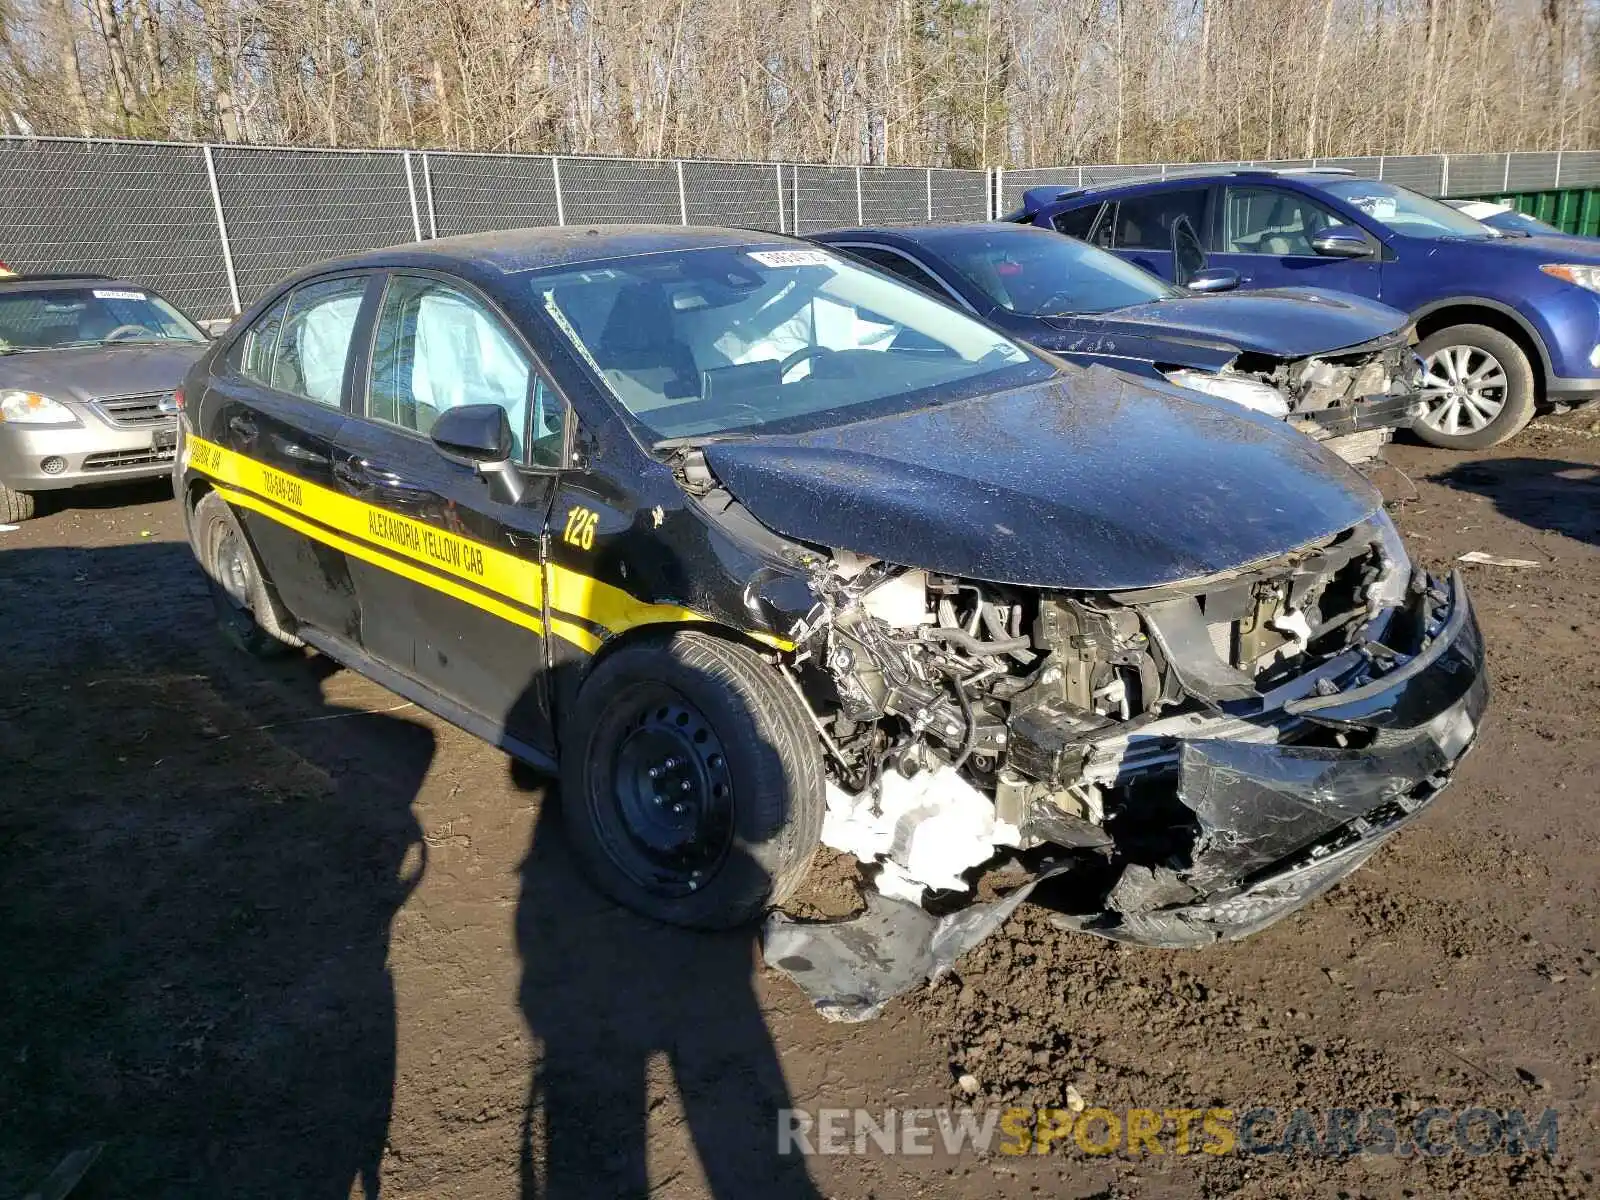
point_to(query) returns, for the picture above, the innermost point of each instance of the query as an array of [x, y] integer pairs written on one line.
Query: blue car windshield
[[1520, 223], [1038, 274], [769, 339], [1403, 210]]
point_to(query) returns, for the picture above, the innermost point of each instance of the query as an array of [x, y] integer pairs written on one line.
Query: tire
[[16, 507], [1461, 415], [730, 826], [244, 608]]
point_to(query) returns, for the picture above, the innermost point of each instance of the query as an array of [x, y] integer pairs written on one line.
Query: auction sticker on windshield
[[107, 294], [792, 258]]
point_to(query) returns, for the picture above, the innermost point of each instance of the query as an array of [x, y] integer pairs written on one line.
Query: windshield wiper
[[689, 440]]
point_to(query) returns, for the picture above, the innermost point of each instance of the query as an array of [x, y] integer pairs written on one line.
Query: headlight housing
[[1585, 276], [1247, 393], [30, 408], [1389, 591]]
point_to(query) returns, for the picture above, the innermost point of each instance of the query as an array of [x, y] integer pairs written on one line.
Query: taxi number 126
[[580, 528]]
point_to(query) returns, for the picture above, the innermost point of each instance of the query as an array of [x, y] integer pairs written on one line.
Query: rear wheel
[[238, 592], [16, 506], [691, 781], [1478, 386]]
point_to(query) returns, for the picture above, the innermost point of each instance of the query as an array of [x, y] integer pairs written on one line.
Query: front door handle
[[362, 475], [302, 453]]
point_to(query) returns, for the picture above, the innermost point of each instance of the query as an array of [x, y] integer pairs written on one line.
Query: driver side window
[[1264, 220]]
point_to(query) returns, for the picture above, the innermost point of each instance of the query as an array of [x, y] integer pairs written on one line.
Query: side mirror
[[479, 436], [1188, 255], [1213, 279], [474, 433], [1341, 243]]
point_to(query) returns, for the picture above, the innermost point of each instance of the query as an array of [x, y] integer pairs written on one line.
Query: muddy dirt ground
[[267, 932]]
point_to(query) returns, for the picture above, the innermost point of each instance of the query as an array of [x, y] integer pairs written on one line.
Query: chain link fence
[[213, 227]]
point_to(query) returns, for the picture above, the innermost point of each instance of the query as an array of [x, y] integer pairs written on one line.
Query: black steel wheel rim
[[229, 568], [664, 796]]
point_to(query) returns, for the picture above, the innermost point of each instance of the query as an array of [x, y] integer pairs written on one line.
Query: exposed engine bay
[[966, 720]]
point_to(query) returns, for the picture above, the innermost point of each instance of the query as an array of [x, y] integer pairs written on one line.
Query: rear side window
[[1145, 222], [254, 355], [900, 266], [301, 344], [1077, 222]]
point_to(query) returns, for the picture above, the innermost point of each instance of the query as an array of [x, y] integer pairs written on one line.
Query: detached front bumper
[[1278, 823], [46, 458]]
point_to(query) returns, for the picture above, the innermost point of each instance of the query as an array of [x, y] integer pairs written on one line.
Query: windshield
[[706, 342], [1044, 274], [52, 318], [1403, 210]]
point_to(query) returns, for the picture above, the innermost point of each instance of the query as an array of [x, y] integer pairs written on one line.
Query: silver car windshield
[[724, 340], [54, 318]]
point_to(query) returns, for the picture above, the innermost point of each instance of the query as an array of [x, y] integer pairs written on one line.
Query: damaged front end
[[1194, 760], [1352, 399]]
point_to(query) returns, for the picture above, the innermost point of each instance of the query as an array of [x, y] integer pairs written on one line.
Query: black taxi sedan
[[760, 547]]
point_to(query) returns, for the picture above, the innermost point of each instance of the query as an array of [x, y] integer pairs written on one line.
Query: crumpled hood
[[88, 372], [1094, 480], [1288, 322]]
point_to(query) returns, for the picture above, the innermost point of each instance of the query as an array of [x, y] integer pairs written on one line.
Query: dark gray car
[[89, 370]]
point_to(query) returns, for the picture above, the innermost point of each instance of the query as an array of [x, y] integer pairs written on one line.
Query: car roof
[[914, 233], [512, 251], [1036, 198], [61, 279]]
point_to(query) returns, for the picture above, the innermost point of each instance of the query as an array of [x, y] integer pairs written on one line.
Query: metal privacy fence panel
[[1532, 172], [1013, 184], [1104, 176], [1475, 174], [1580, 168], [737, 195], [619, 191], [1366, 168], [139, 210], [286, 209], [824, 198], [1420, 173], [475, 193], [894, 196], [958, 195]]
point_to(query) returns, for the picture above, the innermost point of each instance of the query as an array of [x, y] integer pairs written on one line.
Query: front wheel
[[1478, 386], [16, 507], [691, 781]]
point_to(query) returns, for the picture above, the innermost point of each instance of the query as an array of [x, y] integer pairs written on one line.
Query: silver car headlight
[[1582, 274], [30, 408], [1247, 393]]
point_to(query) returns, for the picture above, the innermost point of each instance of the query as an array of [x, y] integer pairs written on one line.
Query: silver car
[[89, 371]]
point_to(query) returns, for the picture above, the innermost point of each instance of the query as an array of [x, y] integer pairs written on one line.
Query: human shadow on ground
[[202, 855], [1542, 493], [631, 1016]]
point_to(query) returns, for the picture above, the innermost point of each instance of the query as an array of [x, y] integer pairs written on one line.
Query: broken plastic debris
[[8, 528], [851, 969], [1494, 560]]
